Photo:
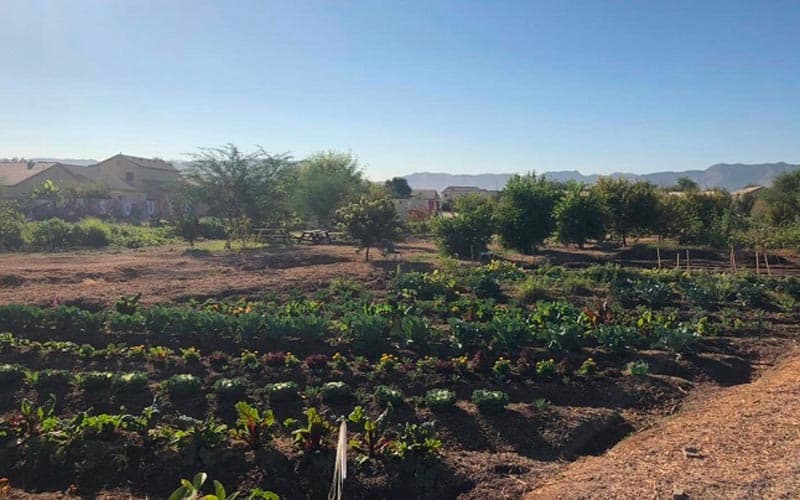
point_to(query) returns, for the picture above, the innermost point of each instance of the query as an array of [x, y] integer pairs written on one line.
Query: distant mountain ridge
[[730, 176]]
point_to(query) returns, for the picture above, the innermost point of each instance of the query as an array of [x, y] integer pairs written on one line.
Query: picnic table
[[315, 237], [272, 235]]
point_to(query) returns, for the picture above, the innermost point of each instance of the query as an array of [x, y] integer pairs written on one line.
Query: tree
[[184, 213], [324, 182], [579, 216], [685, 184], [524, 213], [371, 222], [398, 187], [783, 198], [633, 206], [237, 187], [468, 232]]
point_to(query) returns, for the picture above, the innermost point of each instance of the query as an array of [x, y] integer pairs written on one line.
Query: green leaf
[[219, 490], [199, 480]]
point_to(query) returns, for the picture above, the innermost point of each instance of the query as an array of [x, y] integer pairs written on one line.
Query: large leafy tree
[[783, 198], [373, 223], [398, 187], [324, 182], [468, 232], [632, 206], [579, 216], [240, 188], [524, 214]]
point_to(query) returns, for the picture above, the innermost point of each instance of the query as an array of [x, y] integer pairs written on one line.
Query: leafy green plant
[[131, 382], [502, 369], [637, 368], [335, 391], [182, 385], [587, 368], [386, 395], [253, 426], [416, 441], [546, 368], [282, 391], [190, 354], [11, 374], [541, 405], [191, 490], [35, 417], [440, 399], [128, 305], [310, 437], [95, 381], [371, 442], [490, 401], [49, 378], [230, 388], [674, 339]]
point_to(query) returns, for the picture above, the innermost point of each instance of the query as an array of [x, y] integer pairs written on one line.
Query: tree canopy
[[324, 182], [371, 223], [524, 214]]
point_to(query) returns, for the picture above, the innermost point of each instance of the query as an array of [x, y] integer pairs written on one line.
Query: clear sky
[[450, 86]]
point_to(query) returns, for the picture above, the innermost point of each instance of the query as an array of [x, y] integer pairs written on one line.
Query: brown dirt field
[[747, 442], [177, 274]]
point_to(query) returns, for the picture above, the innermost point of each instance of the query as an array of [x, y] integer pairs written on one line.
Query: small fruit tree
[[371, 222]]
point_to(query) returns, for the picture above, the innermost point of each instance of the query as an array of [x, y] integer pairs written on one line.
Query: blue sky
[[453, 86]]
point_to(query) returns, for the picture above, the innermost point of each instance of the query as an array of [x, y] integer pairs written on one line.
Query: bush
[[12, 225], [579, 217], [50, 235], [440, 399], [490, 401], [466, 234], [10, 374], [212, 228], [282, 391], [182, 385], [366, 333], [92, 233], [232, 388], [95, 381], [335, 391], [131, 382]]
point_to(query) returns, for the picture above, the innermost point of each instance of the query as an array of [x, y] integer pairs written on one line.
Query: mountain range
[[730, 176]]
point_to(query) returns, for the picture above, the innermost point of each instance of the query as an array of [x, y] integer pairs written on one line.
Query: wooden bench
[[272, 235], [315, 237]]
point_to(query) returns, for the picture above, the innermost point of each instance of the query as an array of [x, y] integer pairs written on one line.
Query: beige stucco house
[[136, 187]]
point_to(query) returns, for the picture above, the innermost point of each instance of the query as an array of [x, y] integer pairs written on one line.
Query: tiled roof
[[156, 163], [12, 174]]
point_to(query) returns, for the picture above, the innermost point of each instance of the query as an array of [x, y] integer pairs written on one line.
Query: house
[[132, 186], [421, 204], [140, 186], [452, 193]]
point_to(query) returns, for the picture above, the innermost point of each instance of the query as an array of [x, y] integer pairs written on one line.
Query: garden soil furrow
[[742, 443]]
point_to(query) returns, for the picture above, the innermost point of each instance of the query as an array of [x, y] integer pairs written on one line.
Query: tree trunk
[[366, 255]]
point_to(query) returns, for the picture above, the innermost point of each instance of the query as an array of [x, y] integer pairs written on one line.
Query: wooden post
[[687, 259], [678, 260], [766, 261], [758, 266], [733, 260], [658, 256]]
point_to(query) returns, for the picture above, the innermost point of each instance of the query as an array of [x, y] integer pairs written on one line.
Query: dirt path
[[746, 441]]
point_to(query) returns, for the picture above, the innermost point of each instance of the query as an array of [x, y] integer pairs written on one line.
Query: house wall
[[151, 183]]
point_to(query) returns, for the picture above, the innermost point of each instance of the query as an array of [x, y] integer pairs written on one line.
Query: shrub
[[490, 401], [182, 385], [440, 399], [335, 391], [579, 216], [12, 225], [51, 235], [131, 382], [282, 391], [10, 374], [232, 388], [94, 381], [388, 395], [637, 368], [92, 233], [212, 228], [466, 234]]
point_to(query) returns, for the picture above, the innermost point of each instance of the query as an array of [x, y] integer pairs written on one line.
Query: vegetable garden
[[547, 363]]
